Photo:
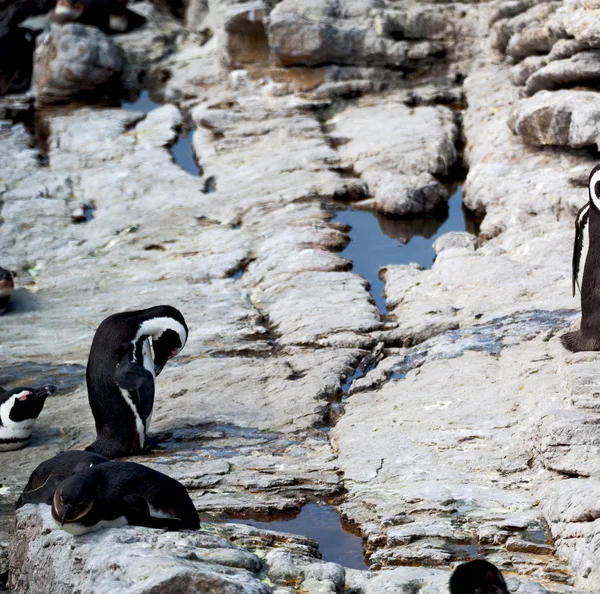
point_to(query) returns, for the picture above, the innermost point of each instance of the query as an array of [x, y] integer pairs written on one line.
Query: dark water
[[322, 524], [143, 103], [376, 240], [182, 149]]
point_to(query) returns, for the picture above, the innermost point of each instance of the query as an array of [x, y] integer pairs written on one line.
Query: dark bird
[[477, 577], [49, 474], [120, 493], [19, 408], [587, 245], [128, 351]]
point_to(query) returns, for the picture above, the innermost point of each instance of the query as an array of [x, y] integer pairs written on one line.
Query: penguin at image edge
[[587, 248]]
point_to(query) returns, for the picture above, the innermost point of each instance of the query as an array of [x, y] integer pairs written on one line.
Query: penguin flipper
[[580, 223], [139, 512], [135, 378]]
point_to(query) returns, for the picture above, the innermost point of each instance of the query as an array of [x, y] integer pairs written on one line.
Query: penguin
[[121, 493], [587, 238], [477, 577], [7, 287], [51, 473], [19, 408], [128, 351], [110, 16]]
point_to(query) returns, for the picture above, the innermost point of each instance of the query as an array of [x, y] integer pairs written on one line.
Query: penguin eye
[[597, 189]]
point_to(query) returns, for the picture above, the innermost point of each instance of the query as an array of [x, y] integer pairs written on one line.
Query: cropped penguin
[[19, 408], [51, 473], [120, 493], [587, 244], [477, 577], [7, 287], [110, 16], [128, 351]]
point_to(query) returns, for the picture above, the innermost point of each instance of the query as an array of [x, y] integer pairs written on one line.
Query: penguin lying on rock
[[477, 577], [51, 473], [128, 351], [110, 16], [19, 408], [120, 493], [587, 226], [7, 287]]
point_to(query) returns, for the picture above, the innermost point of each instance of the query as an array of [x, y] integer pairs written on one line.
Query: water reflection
[[377, 240], [322, 524], [182, 150]]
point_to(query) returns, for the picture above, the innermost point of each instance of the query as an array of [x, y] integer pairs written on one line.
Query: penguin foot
[[154, 440], [576, 342]]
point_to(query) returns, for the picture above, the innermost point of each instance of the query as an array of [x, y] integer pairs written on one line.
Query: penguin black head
[[477, 577], [73, 499], [166, 347], [168, 330], [594, 186], [27, 403]]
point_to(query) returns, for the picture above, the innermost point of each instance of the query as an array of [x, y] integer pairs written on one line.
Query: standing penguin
[[477, 577], [19, 408], [7, 286], [120, 493], [128, 351], [587, 235], [49, 474]]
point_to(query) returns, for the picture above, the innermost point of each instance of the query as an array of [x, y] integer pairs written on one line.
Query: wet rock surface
[[461, 427]]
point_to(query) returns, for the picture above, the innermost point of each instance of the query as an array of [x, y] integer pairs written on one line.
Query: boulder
[[455, 240], [74, 61], [564, 118], [581, 68]]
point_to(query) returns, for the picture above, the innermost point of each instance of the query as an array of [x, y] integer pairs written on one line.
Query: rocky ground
[[472, 433]]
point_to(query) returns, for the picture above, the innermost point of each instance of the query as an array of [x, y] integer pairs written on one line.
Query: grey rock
[[398, 172], [73, 60], [533, 39], [246, 38], [564, 118], [455, 240], [580, 68], [164, 562]]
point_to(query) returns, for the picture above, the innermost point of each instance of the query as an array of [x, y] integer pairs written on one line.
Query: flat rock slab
[[399, 168]]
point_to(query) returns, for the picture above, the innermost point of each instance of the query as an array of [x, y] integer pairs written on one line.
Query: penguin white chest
[[13, 434]]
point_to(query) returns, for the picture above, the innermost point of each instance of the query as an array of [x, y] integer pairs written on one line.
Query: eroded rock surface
[[457, 439]]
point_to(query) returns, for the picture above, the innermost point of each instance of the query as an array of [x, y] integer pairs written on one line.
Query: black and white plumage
[[586, 249], [128, 351], [48, 475], [477, 577], [7, 287], [120, 493], [19, 408], [110, 16]]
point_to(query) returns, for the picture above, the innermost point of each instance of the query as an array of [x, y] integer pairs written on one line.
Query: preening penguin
[[7, 287], [19, 408], [120, 493], [128, 351], [477, 577], [51, 473], [587, 235]]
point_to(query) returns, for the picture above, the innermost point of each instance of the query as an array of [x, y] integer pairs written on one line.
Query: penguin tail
[[576, 342]]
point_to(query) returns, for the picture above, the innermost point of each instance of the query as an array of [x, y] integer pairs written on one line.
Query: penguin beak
[[43, 392], [66, 511]]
